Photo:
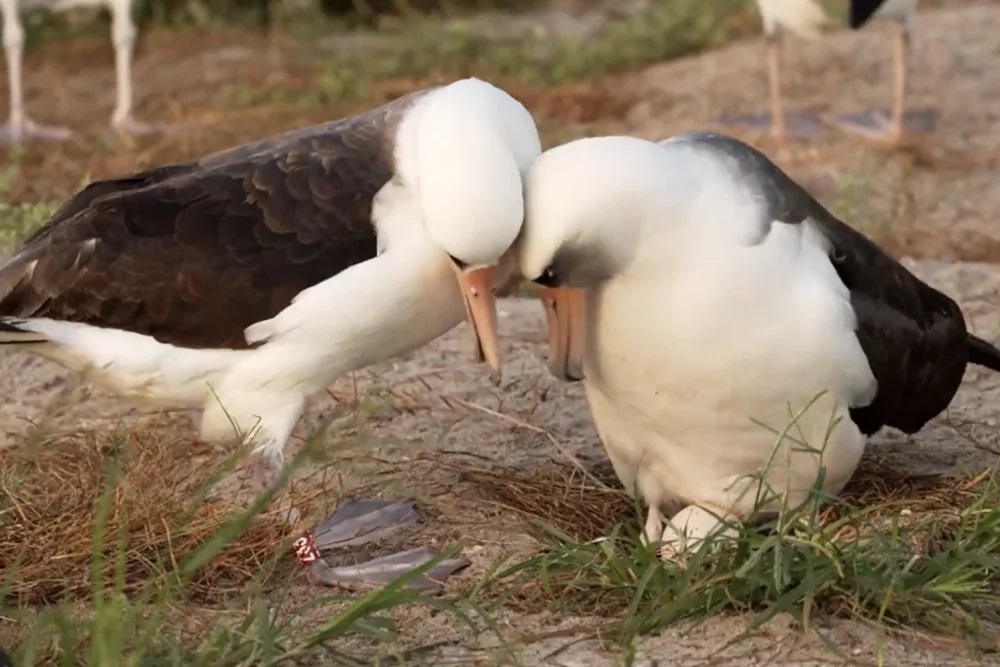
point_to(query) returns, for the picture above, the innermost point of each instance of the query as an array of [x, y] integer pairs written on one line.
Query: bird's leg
[[265, 465], [19, 127], [781, 124], [653, 530], [689, 527], [778, 129], [261, 474], [123, 35], [901, 65], [13, 46], [878, 125], [269, 25]]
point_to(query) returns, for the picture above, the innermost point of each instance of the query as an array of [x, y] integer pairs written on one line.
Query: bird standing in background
[[876, 124], [806, 18], [19, 126]]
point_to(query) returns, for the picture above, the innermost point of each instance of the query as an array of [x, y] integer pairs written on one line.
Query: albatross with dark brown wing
[[250, 279], [192, 254]]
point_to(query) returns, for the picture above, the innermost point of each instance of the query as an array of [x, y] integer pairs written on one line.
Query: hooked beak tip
[[480, 305]]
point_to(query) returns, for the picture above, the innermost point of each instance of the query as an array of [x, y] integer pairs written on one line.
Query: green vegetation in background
[[665, 30], [454, 48], [17, 221], [124, 627], [428, 36]]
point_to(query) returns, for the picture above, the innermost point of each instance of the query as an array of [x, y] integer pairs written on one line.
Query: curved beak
[[481, 313], [564, 310]]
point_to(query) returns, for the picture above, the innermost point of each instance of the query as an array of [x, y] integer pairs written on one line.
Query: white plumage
[[680, 354], [451, 207], [805, 18], [710, 306]]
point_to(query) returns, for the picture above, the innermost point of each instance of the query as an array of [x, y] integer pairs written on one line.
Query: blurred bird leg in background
[[19, 127]]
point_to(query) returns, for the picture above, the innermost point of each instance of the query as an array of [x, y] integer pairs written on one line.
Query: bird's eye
[[548, 277], [459, 263]]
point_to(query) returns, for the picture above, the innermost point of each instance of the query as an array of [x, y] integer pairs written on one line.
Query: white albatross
[[704, 298], [248, 280]]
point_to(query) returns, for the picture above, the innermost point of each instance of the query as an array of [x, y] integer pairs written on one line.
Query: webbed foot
[[29, 130], [797, 125], [877, 124]]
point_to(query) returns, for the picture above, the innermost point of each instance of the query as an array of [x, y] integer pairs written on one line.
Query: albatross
[[806, 19], [248, 280], [705, 300], [19, 126]]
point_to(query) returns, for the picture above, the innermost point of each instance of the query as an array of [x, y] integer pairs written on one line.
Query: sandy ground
[[427, 417], [427, 423]]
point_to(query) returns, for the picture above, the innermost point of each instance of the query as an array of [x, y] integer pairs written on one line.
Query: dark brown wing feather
[[193, 253], [862, 10], [914, 336]]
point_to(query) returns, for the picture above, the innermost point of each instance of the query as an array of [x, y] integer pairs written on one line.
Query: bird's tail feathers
[[983, 353], [14, 331]]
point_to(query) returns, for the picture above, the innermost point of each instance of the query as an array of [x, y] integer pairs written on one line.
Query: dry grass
[[586, 506], [117, 547], [903, 551], [145, 496], [141, 496], [579, 505]]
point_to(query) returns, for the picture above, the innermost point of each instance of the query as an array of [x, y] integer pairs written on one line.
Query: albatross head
[[472, 145], [585, 205]]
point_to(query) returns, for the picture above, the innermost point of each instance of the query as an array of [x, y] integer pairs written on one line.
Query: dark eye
[[459, 263], [548, 278]]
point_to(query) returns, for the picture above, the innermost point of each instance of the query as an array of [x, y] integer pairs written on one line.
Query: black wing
[[193, 253], [862, 10], [914, 336]]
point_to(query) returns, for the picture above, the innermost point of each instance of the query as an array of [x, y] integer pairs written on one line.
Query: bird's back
[[913, 335], [193, 253]]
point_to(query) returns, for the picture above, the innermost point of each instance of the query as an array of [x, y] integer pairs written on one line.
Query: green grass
[[923, 561], [936, 569], [447, 42], [940, 575], [145, 625], [665, 30], [455, 48], [856, 190], [919, 559], [17, 221]]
